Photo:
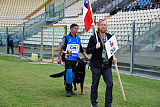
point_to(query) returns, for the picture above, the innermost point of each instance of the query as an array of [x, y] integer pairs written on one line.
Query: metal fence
[[17, 39], [51, 38], [3, 39], [141, 50]]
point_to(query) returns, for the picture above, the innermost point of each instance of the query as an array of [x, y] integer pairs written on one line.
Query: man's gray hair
[[100, 20]]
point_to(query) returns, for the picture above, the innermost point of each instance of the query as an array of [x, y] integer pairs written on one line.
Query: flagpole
[[119, 78], [95, 29]]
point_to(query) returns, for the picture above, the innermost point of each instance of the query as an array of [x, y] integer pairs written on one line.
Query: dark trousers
[[12, 50], [107, 77], [70, 67]]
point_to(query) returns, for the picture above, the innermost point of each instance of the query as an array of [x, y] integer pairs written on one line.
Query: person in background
[[10, 44], [1, 43]]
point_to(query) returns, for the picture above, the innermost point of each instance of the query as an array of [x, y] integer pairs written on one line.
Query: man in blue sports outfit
[[71, 46]]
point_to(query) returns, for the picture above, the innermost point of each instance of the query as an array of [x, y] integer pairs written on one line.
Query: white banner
[[73, 48], [111, 46]]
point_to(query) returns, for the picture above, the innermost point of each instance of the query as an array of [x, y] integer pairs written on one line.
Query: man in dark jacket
[[100, 64]]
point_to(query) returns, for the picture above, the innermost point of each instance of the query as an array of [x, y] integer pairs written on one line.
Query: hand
[[87, 58], [115, 60], [59, 61], [98, 45]]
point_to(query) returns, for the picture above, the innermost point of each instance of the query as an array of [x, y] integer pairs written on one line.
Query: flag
[[87, 15], [111, 43], [111, 46]]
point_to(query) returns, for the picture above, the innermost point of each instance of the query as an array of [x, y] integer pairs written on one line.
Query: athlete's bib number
[[73, 48]]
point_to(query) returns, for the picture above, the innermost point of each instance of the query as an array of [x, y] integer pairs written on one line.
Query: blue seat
[[151, 4], [141, 6], [130, 9], [139, 1]]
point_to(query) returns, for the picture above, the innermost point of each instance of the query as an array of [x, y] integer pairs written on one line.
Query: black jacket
[[96, 58]]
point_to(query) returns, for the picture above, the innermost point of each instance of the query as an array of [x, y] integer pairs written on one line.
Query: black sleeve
[[91, 46], [81, 49]]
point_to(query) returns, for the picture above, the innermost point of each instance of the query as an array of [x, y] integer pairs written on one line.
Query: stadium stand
[[124, 19], [119, 15], [142, 5], [119, 24], [19, 8], [77, 7], [12, 12]]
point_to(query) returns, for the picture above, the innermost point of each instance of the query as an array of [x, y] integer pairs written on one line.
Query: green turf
[[23, 84]]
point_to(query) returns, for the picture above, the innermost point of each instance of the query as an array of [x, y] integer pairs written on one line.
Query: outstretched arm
[[84, 54], [82, 51], [59, 54]]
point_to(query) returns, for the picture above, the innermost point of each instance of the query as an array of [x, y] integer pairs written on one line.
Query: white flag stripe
[[85, 10]]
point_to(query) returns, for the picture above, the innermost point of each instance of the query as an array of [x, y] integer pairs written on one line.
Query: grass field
[[23, 84]]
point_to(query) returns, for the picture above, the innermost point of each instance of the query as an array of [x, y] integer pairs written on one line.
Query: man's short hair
[[100, 20], [73, 25]]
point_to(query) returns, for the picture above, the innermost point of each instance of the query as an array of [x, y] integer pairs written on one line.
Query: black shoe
[[72, 93], [75, 88], [68, 94], [108, 105], [94, 105]]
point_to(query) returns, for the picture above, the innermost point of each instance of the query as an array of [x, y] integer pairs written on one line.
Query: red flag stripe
[[88, 19]]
